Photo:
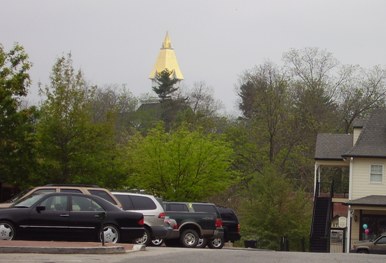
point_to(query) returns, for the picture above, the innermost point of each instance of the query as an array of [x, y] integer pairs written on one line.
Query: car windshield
[[28, 201]]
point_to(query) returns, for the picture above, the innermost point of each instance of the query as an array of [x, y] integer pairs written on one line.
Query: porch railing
[[331, 189]]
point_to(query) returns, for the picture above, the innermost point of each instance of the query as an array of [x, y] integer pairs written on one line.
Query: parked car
[[197, 224], [65, 188], [156, 228], [230, 223], [172, 224], [376, 246], [69, 216]]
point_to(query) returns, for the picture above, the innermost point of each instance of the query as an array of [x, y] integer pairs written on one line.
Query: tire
[[216, 243], [145, 239], [202, 242], [363, 251], [157, 242], [111, 234], [189, 238], [7, 231]]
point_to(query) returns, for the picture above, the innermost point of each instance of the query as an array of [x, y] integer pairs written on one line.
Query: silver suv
[[156, 226]]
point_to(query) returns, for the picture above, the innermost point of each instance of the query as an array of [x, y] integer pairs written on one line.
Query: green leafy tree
[[274, 208], [171, 109], [17, 140], [269, 109], [165, 84], [181, 165], [270, 127], [73, 147]]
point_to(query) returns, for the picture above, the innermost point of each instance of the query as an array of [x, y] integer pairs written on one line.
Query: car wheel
[[202, 242], [7, 231], [216, 243], [145, 239], [189, 238], [363, 251], [157, 242], [111, 234]]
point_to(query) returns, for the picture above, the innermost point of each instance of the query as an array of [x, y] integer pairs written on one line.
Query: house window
[[376, 224], [376, 173]]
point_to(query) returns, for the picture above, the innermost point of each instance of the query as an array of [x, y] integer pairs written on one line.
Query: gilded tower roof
[[167, 60]]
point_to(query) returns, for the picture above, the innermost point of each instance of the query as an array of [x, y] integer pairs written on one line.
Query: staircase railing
[[330, 211], [316, 194], [329, 215]]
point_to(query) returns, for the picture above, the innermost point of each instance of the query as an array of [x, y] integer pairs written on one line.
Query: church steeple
[[167, 44], [167, 60]]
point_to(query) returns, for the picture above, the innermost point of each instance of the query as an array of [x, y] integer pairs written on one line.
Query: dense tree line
[[179, 146]]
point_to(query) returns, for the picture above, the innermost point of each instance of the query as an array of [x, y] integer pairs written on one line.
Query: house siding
[[361, 185], [356, 133]]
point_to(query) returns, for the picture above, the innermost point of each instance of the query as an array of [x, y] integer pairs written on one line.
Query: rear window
[[176, 207], [125, 201], [205, 208], [143, 203], [228, 215], [103, 194]]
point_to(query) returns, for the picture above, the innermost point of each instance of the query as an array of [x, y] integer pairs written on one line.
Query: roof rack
[[134, 191], [78, 185]]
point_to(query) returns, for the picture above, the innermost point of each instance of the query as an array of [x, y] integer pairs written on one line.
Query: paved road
[[168, 255]]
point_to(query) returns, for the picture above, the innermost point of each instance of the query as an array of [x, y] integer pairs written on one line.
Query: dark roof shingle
[[372, 140], [332, 146]]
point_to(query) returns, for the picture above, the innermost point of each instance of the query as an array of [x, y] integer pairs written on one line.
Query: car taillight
[[218, 222], [238, 228], [161, 215], [141, 222]]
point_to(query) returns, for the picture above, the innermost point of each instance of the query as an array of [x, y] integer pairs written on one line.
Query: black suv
[[230, 223]]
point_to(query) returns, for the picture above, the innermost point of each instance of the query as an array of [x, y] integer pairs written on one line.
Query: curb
[[58, 249], [62, 250]]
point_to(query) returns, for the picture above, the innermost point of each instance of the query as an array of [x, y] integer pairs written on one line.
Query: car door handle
[[64, 215]]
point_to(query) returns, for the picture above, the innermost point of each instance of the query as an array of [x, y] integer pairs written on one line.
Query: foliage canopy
[[181, 165], [17, 140]]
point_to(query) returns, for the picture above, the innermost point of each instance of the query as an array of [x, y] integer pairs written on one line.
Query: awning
[[371, 200]]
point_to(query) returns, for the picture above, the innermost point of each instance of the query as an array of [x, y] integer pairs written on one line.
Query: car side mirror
[[40, 208]]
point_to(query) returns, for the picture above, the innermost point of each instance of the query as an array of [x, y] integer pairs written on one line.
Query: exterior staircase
[[321, 221]]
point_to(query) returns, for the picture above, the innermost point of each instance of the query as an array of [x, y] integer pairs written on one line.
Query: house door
[[337, 238]]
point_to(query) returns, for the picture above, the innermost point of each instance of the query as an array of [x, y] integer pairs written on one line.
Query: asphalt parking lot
[[189, 255]]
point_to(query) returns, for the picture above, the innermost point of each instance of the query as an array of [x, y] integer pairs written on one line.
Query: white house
[[363, 153]]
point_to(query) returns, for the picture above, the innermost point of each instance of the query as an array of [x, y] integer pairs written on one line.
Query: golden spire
[[167, 44], [167, 60]]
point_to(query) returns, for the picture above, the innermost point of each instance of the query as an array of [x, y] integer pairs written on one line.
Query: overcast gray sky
[[117, 41]]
